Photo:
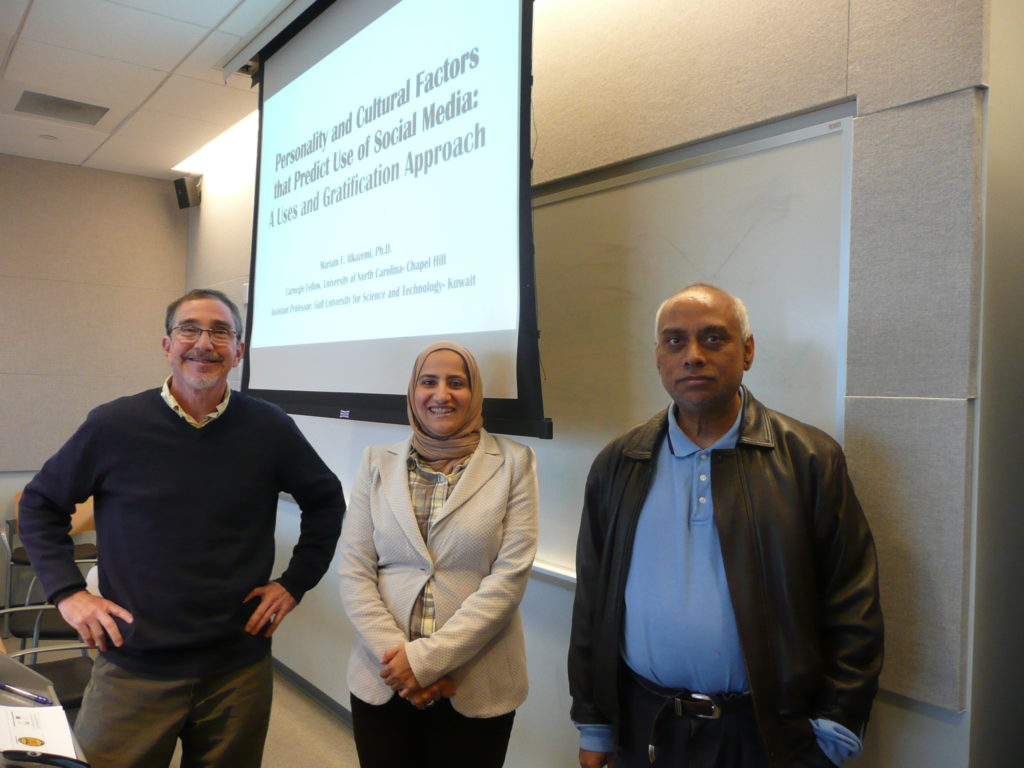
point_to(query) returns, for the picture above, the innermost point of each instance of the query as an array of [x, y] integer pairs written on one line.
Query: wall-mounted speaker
[[188, 189]]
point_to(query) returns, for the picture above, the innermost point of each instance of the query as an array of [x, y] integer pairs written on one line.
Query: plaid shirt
[[428, 491]]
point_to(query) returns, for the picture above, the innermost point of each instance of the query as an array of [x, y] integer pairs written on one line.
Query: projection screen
[[392, 208]]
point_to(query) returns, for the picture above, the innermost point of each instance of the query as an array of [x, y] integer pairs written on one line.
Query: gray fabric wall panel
[[62, 222], [87, 328], [652, 75], [40, 412], [914, 252], [88, 261], [907, 461], [908, 50]]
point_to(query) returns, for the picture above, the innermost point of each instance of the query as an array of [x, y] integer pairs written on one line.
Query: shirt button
[[703, 457], [702, 500], [703, 478]]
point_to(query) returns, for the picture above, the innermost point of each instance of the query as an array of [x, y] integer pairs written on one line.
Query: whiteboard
[[766, 220]]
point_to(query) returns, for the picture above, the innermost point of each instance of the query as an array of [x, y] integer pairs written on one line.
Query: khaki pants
[[129, 721]]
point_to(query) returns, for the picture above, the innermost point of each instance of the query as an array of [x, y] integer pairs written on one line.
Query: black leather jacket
[[800, 563]]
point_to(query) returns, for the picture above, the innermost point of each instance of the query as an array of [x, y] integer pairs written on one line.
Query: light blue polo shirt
[[680, 629]]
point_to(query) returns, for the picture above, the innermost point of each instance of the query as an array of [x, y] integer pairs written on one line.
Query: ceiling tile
[[10, 92], [81, 76], [138, 157], [194, 98], [251, 17], [205, 62], [113, 31], [206, 13], [11, 12], [20, 136], [119, 54], [183, 134]]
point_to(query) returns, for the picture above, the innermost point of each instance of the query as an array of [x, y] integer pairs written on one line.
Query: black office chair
[[32, 624], [68, 676], [86, 553]]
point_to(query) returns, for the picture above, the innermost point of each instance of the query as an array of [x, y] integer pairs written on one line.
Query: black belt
[[683, 703]]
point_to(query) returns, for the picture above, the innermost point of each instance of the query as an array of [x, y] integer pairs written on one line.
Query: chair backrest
[[82, 518]]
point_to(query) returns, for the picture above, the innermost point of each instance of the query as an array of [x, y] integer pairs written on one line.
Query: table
[[27, 678]]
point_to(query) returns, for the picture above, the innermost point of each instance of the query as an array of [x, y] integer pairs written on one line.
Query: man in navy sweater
[[185, 481]]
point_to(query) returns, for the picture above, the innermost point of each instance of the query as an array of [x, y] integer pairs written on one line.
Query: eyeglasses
[[193, 332]]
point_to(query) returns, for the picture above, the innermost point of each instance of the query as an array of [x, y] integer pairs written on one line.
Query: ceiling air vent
[[61, 109]]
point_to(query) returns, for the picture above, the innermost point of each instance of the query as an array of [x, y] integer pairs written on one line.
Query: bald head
[[737, 306], [703, 348]]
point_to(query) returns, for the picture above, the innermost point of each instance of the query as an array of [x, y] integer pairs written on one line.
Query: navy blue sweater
[[185, 523]]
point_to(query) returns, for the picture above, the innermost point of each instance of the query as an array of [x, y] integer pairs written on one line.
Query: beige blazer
[[481, 547]]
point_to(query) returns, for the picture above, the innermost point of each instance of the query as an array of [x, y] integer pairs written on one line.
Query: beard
[[202, 380]]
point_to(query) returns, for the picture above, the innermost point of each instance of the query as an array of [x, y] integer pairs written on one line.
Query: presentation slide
[[388, 207]]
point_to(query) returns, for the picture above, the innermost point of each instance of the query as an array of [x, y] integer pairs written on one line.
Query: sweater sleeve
[[69, 477], [317, 491]]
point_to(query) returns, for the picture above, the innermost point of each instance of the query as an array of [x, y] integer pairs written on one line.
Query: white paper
[[39, 729]]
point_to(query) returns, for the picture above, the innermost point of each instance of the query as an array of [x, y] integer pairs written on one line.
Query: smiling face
[[442, 395], [701, 354], [201, 365]]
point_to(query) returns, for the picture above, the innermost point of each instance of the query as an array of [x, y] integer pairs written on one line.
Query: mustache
[[206, 357]]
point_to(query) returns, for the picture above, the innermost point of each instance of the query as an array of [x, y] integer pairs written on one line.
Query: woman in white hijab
[[436, 550]]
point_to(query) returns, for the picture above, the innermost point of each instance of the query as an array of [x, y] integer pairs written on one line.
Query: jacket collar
[[394, 473], [755, 429]]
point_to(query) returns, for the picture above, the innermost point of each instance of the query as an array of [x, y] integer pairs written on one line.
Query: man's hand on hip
[[92, 618], [276, 602]]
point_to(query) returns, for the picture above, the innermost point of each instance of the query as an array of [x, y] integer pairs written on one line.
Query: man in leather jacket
[[726, 611]]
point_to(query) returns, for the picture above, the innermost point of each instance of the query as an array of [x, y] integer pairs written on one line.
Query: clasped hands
[[399, 676]]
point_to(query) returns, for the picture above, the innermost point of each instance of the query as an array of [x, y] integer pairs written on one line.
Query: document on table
[[39, 729]]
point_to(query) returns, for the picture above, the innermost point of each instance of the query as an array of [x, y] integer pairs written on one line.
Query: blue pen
[[24, 694]]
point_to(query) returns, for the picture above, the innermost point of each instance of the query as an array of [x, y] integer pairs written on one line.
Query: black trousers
[[732, 741], [684, 742], [397, 735]]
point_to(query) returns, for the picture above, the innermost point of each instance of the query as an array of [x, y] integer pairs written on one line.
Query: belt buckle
[[716, 711]]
